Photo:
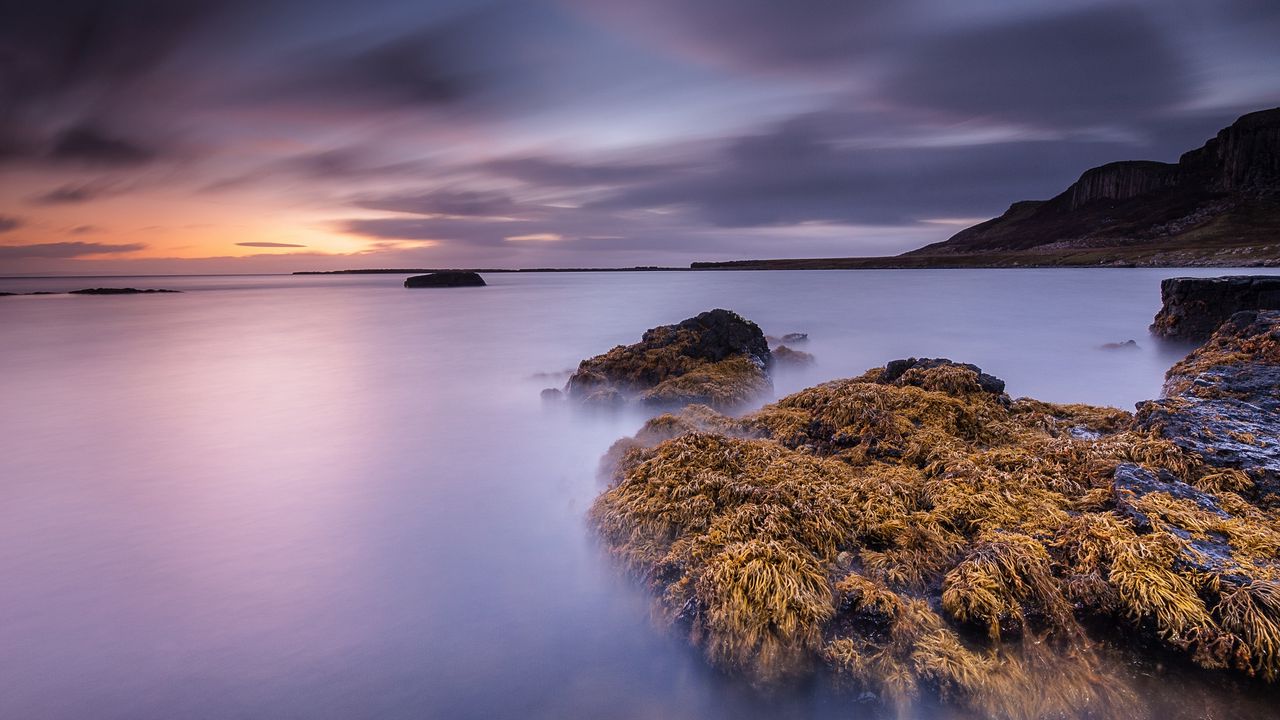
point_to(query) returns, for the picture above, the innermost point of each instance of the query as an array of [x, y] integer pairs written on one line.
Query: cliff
[[1225, 195]]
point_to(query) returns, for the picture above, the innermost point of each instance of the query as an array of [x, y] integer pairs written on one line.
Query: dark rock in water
[[1195, 307], [717, 358], [116, 291], [784, 356], [1126, 345], [446, 278], [896, 372], [790, 338], [552, 395], [1223, 400]]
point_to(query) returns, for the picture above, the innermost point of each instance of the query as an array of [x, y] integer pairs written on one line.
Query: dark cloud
[[805, 171], [67, 250], [90, 145], [765, 35], [1103, 65], [269, 245], [84, 229], [9, 222]]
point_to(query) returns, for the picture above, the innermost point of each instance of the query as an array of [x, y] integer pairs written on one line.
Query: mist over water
[[331, 497]]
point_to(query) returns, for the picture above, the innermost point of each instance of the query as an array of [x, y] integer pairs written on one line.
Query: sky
[[166, 136]]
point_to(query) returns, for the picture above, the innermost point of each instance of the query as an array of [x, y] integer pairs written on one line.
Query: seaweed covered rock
[[787, 357], [445, 278], [716, 358], [1192, 308], [1222, 401], [917, 531]]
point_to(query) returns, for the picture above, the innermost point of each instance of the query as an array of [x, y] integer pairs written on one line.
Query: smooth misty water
[[331, 497]]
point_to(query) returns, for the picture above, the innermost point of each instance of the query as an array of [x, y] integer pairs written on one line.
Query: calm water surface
[[331, 497]]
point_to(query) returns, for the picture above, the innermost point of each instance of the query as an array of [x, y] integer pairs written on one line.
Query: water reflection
[[331, 497]]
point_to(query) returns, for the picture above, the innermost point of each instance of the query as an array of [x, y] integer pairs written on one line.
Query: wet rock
[[717, 358], [1126, 345], [1223, 400], [1194, 307], [784, 356], [445, 278]]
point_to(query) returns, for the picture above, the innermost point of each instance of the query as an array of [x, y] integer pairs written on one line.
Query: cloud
[[88, 144], [9, 222], [269, 245], [1101, 65], [550, 172], [78, 192], [67, 250], [444, 202], [84, 229]]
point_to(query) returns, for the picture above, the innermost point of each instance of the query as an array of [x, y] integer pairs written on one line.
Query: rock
[[115, 291], [717, 358], [905, 528], [1203, 552], [552, 395], [897, 372], [790, 338], [1126, 345], [1222, 402], [1194, 307], [445, 278], [784, 356]]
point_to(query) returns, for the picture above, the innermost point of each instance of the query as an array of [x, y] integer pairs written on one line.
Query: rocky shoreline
[[916, 531]]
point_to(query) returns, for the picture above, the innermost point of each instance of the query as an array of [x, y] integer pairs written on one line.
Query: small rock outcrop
[[118, 291], [1192, 308], [445, 278], [1222, 402], [717, 358], [784, 356]]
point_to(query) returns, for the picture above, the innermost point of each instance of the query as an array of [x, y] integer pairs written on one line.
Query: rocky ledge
[[915, 531], [1192, 308], [717, 358], [445, 278]]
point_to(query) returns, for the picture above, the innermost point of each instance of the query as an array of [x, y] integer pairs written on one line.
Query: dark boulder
[[717, 358], [1194, 307], [446, 278]]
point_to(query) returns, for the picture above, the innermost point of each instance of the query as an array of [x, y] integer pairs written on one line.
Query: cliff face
[[1224, 193]]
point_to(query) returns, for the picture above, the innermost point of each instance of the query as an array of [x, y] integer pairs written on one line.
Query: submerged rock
[[445, 278], [1194, 307], [915, 530], [1126, 345], [717, 358], [786, 357]]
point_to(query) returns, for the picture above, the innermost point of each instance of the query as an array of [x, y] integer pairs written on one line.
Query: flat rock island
[[445, 279]]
